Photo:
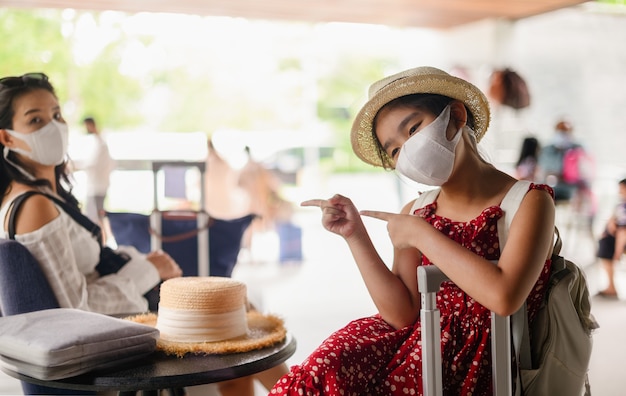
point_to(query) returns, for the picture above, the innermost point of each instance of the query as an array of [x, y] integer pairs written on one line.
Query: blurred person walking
[[263, 188], [224, 198], [568, 168], [564, 163], [98, 167]]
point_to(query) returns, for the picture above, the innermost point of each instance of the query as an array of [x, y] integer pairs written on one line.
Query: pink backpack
[[575, 165]]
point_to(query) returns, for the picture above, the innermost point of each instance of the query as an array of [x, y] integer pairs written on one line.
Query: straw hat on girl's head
[[420, 80]]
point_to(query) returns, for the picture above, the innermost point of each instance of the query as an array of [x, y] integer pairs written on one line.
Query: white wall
[[574, 61]]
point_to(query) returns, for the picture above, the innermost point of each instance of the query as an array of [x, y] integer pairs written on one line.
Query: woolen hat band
[[420, 80]]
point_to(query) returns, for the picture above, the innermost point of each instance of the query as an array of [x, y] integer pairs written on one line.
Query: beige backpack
[[557, 361]]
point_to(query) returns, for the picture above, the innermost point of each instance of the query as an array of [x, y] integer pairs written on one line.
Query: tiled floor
[[325, 291]]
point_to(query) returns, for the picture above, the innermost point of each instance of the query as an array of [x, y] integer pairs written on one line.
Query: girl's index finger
[[385, 216], [313, 202]]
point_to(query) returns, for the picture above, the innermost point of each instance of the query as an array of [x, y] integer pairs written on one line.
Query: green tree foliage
[[108, 96], [109, 66], [32, 42], [42, 40], [342, 92]]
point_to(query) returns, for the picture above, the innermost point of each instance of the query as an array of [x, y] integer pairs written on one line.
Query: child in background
[[613, 242]]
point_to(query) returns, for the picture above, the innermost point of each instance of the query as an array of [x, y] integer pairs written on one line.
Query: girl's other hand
[[401, 227], [339, 215]]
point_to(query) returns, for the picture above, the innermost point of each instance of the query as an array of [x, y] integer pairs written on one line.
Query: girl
[[33, 139], [425, 124]]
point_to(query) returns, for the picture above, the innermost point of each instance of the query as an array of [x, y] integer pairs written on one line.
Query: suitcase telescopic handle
[[429, 279]]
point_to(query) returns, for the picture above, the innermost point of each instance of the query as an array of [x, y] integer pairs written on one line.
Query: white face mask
[[427, 157], [48, 145]]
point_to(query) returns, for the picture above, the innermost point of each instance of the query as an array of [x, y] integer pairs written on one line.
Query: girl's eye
[[414, 129], [394, 152], [58, 116], [35, 120]]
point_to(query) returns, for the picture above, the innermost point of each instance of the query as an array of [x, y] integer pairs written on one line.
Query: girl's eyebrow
[[401, 127], [27, 112], [35, 110], [405, 121]]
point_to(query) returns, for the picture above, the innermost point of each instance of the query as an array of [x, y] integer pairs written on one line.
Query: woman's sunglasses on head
[[26, 79]]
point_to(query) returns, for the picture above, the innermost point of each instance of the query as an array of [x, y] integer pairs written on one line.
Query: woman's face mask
[[48, 145], [428, 156]]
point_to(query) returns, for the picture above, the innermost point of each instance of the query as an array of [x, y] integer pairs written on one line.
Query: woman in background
[[527, 164]]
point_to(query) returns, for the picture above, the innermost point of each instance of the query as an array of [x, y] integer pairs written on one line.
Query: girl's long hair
[[8, 172]]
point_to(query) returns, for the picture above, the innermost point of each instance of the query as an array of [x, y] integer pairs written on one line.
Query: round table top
[[161, 371]]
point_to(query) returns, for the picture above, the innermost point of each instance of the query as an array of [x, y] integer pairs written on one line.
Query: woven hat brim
[[263, 331], [362, 138]]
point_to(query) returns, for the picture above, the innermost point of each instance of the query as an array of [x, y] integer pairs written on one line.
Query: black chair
[[24, 288]]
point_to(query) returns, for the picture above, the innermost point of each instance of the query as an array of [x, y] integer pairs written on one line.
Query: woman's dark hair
[[432, 103], [530, 148], [11, 88]]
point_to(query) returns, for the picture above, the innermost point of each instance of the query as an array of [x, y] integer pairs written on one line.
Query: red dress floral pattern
[[369, 357]]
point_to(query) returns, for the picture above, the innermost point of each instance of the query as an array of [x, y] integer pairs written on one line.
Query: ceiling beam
[[438, 14]]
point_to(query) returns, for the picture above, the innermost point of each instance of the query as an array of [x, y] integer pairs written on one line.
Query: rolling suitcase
[[429, 280], [505, 339], [161, 230], [201, 245]]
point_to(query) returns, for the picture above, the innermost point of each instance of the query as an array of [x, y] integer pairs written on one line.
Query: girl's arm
[[502, 288], [50, 243]]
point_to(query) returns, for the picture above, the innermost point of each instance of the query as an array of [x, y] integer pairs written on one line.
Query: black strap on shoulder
[[15, 205], [81, 219]]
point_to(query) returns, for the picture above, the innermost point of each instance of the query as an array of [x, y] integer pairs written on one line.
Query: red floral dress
[[369, 357]]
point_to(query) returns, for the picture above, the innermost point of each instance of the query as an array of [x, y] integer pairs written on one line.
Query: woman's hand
[[165, 265], [339, 215], [402, 228]]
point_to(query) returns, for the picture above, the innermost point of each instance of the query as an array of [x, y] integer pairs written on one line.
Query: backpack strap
[[519, 320], [509, 206], [70, 210], [425, 198]]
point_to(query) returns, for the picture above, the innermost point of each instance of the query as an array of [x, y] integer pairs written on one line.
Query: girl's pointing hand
[[339, 215], [402, 228]]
